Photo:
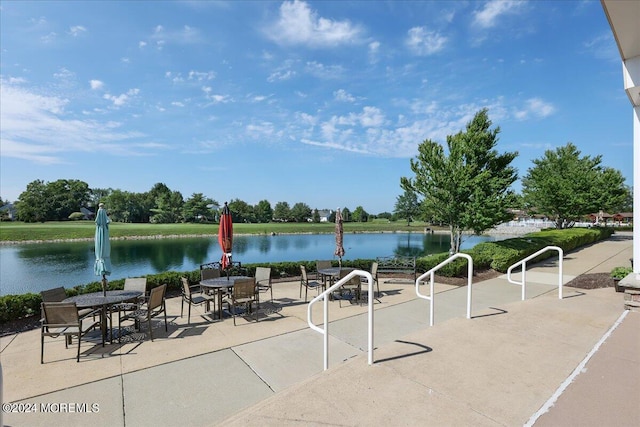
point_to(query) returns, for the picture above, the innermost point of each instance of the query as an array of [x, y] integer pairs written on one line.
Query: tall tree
[[468, 189], [360, 215], [300, 212], [407, 206], [565, 186], [241, 211], [282, 212], [263, 211], [196, 208], [32, 204]]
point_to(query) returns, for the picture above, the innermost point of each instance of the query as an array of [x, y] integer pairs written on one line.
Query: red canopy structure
[[339, 252], [225, 236]]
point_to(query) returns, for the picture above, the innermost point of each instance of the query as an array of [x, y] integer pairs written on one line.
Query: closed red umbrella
[[339, 252], [225, 236]]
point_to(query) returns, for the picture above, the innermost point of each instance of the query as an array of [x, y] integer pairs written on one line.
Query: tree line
[[65, 199]]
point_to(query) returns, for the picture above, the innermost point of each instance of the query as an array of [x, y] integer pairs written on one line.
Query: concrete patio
[[505, 366]]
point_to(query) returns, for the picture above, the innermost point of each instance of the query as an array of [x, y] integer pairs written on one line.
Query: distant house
[[86, 213], [619, 218], [9, 210], [325, 214]]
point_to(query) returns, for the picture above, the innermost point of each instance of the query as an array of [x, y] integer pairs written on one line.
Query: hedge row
[[496, 255]]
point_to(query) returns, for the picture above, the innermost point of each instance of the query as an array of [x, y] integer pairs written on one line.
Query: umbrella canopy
[[102, 266], [225, 236], [339, 252]]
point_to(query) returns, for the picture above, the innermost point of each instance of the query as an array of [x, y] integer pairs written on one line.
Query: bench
[[397, 264]]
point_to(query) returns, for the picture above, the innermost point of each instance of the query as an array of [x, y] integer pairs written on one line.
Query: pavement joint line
[[577, 371], [605, 260]]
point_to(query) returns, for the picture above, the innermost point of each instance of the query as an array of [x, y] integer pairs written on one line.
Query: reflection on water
[[34, 267]]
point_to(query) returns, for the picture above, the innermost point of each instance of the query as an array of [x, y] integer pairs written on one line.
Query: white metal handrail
[[324, 295], [431, 273], [523, 283]]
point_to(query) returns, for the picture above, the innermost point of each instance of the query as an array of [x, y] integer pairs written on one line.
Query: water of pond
[[35, 267]]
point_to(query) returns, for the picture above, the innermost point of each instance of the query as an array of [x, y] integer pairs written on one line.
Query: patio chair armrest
[[82, 314]]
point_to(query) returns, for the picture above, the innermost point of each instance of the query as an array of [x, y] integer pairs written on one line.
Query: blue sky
[[321, 102]]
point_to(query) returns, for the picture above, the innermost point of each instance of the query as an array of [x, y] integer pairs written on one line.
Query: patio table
[[219, 285], [332, 273], [103, 301]]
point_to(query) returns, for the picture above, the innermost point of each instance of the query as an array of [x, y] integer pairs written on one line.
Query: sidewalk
[[504, 366]]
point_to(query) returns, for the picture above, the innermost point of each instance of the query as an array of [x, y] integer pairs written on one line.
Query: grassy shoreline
[[20, 233]]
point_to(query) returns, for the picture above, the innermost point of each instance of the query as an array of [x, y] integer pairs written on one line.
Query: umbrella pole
[[104, 285]]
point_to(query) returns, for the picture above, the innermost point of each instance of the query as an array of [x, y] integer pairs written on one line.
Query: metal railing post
[[523, 263], [325, 331], [431, 274]]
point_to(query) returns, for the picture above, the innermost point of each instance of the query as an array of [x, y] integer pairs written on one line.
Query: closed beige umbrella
[[339, 252]]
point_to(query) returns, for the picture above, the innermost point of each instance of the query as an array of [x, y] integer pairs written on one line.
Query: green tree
[[407, 206], [468, 189], [565, 186], [67, 196], [53, 201], [300, 212], [241, 211], [263, 211], [316, 216], [32, 204], [98, 195], [282, 212], [168, 208], [386, 215], [346, 215], [196, 208], [360, 215]]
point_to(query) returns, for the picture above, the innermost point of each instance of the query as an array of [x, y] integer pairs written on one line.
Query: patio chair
[[210, 273], [193, 295], [59, 295], [263, 281], [244, 293], [374, 274], [131, 284], [63, 319], [307, 284], [322, 264], [154, 307], [349, 291]]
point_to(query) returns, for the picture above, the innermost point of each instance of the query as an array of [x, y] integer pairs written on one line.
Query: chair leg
[[150, 328], [233, 313], [166, 329], [80, 339], [42, 347]]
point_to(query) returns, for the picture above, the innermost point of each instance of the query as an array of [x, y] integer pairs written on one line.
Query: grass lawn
[[20, 232]]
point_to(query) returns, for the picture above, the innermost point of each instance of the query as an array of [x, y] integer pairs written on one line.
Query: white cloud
[[76, 30], [535, 107], [299, 25], [122, 99], [493, 10], [343, 96], [36, 128], [184, 36], [142, 44], [96, 84], [424, 42], [322, 71]]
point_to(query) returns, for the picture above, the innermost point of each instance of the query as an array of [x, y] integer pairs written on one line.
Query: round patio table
[[219, 285], [103, 301]]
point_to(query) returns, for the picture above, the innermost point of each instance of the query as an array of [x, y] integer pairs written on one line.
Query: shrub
[[621, 272]]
